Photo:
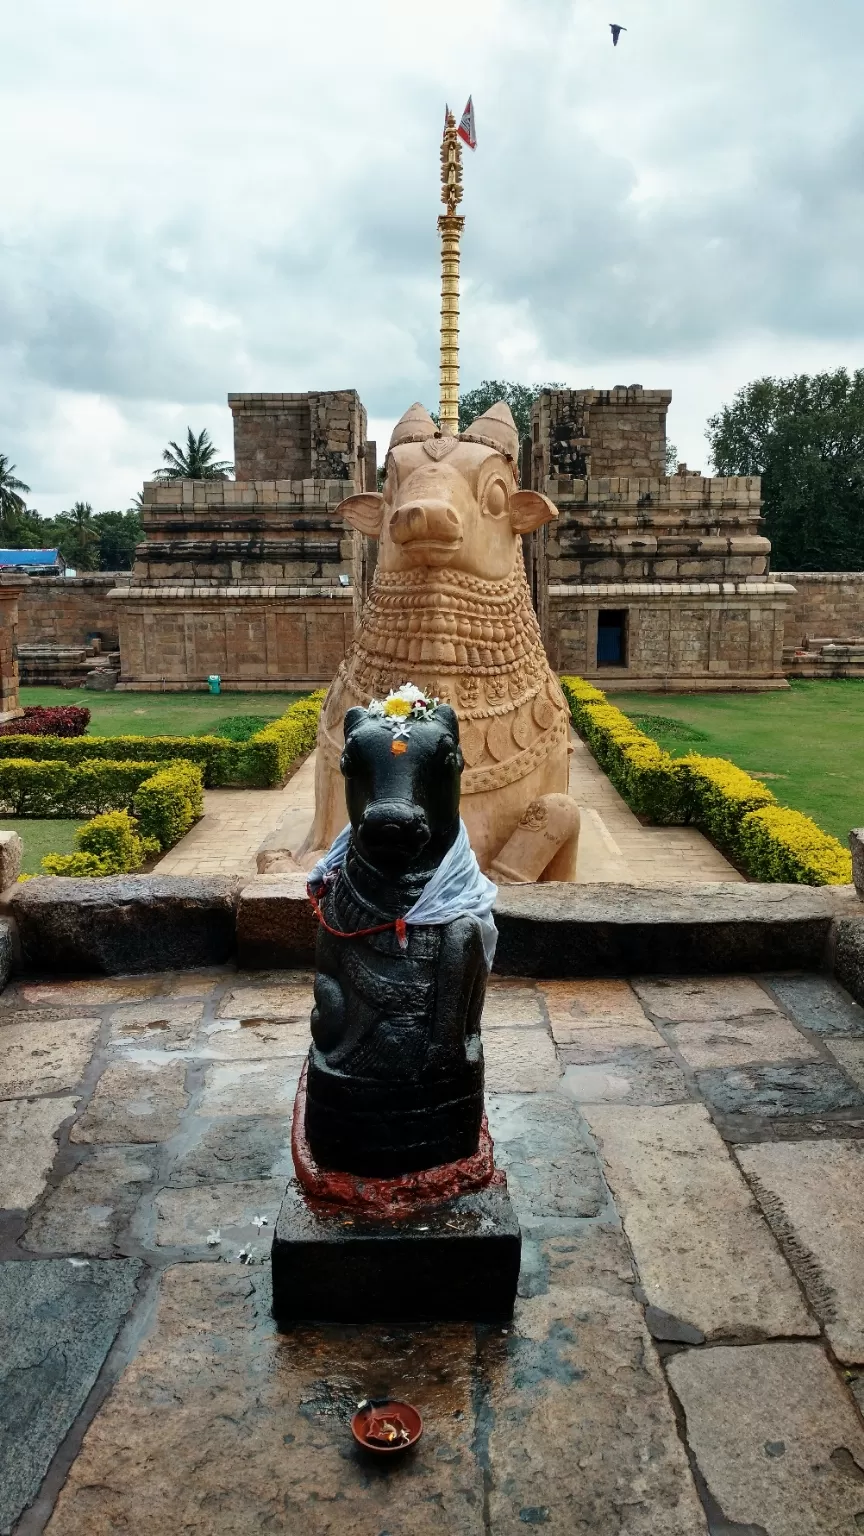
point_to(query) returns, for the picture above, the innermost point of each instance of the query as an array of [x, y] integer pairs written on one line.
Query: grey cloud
[[266, 260]]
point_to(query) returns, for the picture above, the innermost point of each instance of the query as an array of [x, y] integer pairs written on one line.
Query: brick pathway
[[235, 823], [685, 1158], [613, 844]]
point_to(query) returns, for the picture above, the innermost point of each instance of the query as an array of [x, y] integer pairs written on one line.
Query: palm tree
[[13, 510], [79, 536], [196, 462]]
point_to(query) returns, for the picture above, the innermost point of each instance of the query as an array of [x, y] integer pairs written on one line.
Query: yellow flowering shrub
[[717, 795], [739, 813], [642, 772], [107, 845], [780, 844]]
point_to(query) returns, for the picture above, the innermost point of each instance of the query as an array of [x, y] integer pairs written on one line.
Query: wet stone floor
[[686, 1158]]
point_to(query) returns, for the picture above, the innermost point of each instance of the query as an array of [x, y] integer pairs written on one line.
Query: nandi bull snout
[[426, 528]]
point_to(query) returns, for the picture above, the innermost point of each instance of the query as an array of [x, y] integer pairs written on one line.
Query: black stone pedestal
[[453, 1262]]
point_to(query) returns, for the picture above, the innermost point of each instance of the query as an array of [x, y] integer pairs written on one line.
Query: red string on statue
[[397, 923]]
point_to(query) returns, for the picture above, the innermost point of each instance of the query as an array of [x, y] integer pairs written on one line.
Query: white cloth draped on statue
[[457, 888]]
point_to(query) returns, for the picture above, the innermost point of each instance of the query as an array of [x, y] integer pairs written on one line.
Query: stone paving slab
[[250, 1088], [231, 1040], [811, 1090], [235, 1149], [268, 1002], [709, 999], [186, 1218], [566, 1445], [510, 1004], [604, 1042], [170, 1025], [28, 1146], [522, 1060], [96, 993], [735, 1042], [702, 1249], [776, 1438], [818, 1004], [134, 1102], [850, 1055], [542, 1145], [220, 1425], [44, 1058], [580, 1005], [90, 1208], [813, 1195], [57, 1324], [627, 1076]]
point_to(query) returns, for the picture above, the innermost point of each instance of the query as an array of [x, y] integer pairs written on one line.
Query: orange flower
[[397, 747]]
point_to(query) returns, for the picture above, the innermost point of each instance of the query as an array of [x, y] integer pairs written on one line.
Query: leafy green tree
[[519, 397], [78, 536], [197, 461], [805, 436], [119, 532], [671, 458], [14, 515]]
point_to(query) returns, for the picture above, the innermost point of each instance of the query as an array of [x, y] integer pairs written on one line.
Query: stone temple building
[[251, 579], [647, 580]]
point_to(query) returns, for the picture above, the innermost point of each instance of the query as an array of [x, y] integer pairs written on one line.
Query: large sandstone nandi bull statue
[[450, 611]]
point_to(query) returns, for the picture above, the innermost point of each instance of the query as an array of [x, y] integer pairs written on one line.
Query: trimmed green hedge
[[640, 770], [107, 845], [61, 789], [739, 814], [268, 756], [262, 762], [167, 804]]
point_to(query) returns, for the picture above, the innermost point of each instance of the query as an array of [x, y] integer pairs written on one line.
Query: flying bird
[[616, 32]]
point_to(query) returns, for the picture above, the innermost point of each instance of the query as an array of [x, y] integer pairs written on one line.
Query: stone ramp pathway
[[613, 844], [687, 1354], [235, 823]]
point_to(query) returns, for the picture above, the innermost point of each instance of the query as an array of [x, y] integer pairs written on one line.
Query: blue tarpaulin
[[30, 557]]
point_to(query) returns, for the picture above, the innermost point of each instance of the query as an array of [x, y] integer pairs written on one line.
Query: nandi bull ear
[[530, 510], [364, 512]]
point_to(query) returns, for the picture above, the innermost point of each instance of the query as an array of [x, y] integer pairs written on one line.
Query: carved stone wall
[[679, 636], [598, 432], [318, 436], [827, 605], [69, 611], [676, 565], [252, 637], [242, 577]]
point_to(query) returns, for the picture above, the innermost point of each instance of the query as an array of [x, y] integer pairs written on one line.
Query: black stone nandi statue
[[395, 1073], [397, 1212]]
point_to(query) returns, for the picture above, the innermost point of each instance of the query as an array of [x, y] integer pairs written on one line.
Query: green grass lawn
[[161, 714], [808, 743], [41, 837]]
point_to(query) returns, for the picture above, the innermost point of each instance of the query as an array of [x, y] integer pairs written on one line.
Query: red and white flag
[[467, 129]]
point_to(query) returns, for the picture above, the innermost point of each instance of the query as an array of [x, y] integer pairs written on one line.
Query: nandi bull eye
[[496, 499]]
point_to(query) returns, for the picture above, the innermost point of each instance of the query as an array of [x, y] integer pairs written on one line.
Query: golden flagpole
[[450, 229]]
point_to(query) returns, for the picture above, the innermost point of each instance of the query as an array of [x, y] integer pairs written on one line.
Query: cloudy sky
[[242, 195]]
